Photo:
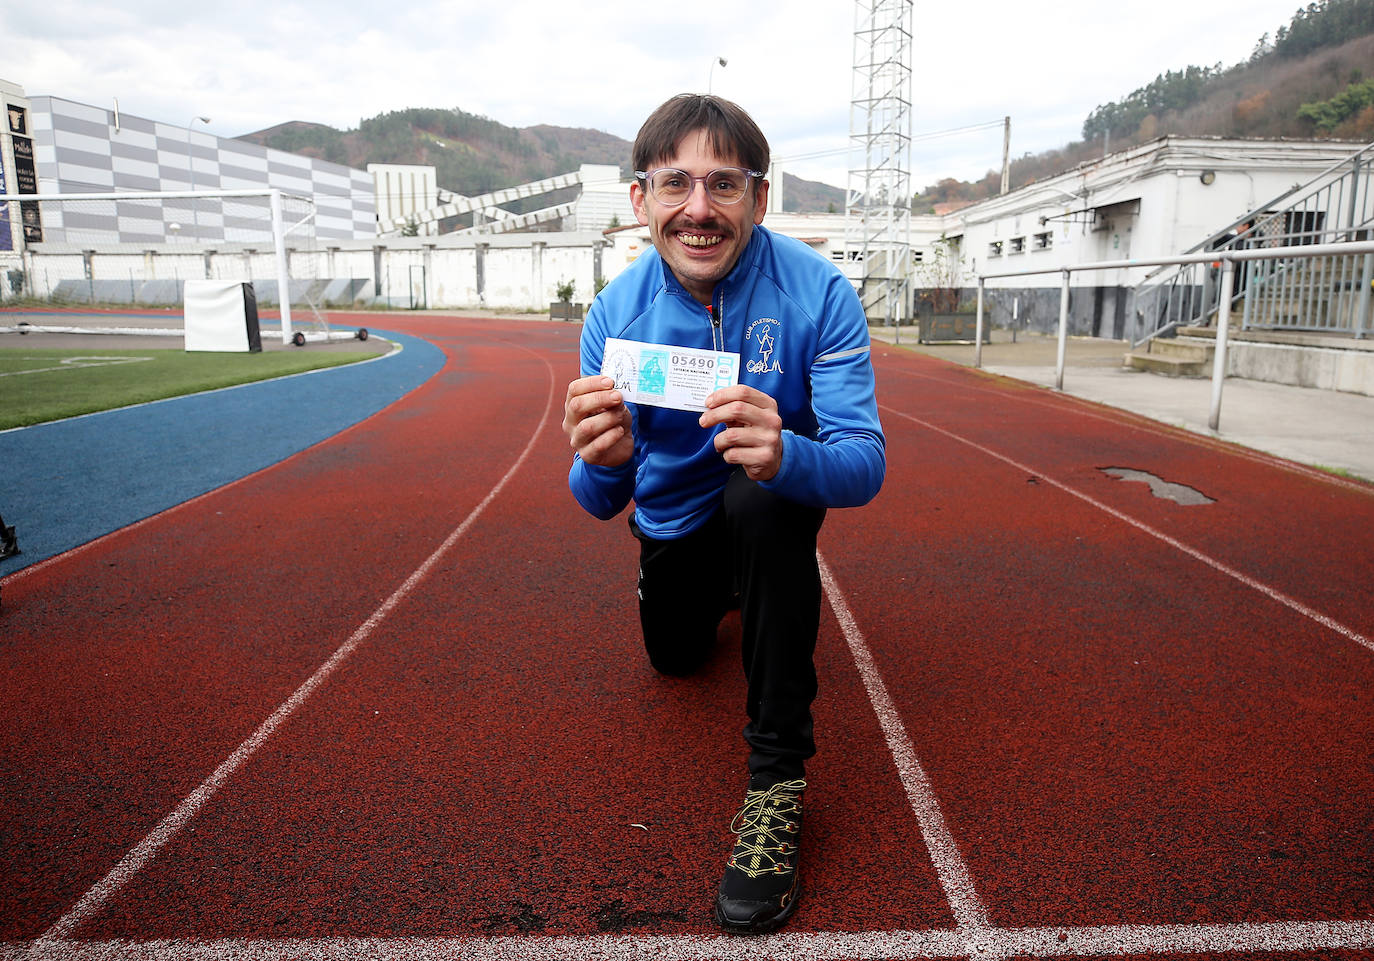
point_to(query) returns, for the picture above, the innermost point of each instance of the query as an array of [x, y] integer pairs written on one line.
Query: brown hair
[[729, 131]]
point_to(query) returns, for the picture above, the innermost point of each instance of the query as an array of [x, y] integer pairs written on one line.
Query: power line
[[953, 130], [931, 135]]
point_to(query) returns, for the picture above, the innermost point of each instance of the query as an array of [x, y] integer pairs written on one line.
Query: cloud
[[259, 63]]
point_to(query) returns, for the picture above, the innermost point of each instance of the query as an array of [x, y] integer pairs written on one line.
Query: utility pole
[[1006, 154]]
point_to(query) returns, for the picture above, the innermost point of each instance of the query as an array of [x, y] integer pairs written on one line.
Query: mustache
[[684, 222]]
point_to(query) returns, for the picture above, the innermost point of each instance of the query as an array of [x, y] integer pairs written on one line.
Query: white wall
[[1163, 179], [405, 189], [605, 198]]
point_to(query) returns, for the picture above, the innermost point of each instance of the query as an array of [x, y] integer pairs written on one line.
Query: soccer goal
[[118, 262]]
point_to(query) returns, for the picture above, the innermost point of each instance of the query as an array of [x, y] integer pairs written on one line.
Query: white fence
[[1228, 260], [498, 273]]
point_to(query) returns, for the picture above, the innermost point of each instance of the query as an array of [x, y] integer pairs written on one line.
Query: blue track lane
[[66, 483]]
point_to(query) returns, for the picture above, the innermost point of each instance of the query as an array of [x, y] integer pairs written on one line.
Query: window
[[1044, 241], [995, 249], [1018, 245]]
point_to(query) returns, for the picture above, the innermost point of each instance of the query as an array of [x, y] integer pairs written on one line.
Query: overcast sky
[[256, 63]]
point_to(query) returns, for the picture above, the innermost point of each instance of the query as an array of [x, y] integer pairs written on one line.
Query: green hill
[[473, 155]]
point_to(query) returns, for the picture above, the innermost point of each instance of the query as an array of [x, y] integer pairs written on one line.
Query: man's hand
[[753, 430], [597, 422]]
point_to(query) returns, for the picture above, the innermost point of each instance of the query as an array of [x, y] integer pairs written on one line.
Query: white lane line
[[1125, 417], [75, 363], [1273, 593], [1129, 939], [1280, 937], [950, 867], [137, 859], [824, 946]]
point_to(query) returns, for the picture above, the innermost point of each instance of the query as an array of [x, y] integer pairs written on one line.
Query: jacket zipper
[[717, 315]]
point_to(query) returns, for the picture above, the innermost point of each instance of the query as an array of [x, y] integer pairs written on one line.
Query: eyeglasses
[[671, 187]]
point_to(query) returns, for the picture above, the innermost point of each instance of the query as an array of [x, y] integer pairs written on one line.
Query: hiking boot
[[760, 888], [9, 543]]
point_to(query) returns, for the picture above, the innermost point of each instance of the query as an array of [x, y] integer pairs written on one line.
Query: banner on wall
[[25, 174]]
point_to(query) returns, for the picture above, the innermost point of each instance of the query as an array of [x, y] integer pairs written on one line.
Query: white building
[[404, 190], [79, 148], [605, 200], [1155, 200]]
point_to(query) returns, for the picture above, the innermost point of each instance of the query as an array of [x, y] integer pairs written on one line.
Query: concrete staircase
[[1301, 359], [1182, 356]]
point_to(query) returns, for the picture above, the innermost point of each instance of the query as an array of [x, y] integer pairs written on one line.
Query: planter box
[[952, 328], [562, 310]]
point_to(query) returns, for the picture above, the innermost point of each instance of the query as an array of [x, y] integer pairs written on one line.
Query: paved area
[[1321, 428]]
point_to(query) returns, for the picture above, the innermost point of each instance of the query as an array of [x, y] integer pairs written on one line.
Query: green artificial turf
[[49, 384]]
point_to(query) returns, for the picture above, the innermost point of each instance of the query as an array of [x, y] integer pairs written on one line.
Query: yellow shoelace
[[767, 826]]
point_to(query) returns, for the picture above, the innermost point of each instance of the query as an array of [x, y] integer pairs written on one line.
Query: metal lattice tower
[[878, 198]]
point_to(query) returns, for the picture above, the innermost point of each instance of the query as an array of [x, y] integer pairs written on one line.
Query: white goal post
[[136, 250]]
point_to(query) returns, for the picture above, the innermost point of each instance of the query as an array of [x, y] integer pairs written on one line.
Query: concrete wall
[[494, 272], [1094, 311], [1350, 370]]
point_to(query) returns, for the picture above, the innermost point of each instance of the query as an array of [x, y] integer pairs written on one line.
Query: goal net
[[119, 262]]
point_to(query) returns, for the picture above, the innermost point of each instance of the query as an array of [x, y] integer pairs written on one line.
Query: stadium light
[[191, 165], [711, 76]]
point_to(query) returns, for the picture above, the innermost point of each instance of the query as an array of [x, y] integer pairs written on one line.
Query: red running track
[[386, 699]]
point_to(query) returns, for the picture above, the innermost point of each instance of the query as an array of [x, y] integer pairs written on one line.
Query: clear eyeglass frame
[[676, 195]]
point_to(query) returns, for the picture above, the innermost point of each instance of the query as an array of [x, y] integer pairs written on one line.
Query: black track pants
[[762, 548]]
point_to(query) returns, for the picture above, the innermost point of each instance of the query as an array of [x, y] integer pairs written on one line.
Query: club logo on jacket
[[762, 334]]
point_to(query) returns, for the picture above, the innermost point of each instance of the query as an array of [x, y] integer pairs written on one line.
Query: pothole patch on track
[[1164, 490]]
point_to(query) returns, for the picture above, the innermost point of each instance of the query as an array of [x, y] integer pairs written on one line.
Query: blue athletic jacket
[[802, 339]]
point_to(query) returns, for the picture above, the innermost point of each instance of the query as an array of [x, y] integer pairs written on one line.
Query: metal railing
[[1228, 260], [1335, 206]]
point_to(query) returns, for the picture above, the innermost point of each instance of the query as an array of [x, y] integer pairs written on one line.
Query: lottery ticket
[[667, 376]]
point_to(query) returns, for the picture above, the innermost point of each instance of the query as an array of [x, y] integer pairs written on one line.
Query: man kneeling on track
[[729, 501]]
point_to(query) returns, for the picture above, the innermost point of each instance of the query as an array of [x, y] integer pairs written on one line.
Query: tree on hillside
[[1325, 23], [1327, 115], [1320, 25], [1171, 90], [314, 140]]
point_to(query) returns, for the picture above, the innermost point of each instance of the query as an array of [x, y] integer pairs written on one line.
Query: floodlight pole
[[878, 199], [710, 77]]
